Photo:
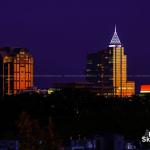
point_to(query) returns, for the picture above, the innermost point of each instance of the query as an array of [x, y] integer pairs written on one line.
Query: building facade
[[17, 70], [108, 68]]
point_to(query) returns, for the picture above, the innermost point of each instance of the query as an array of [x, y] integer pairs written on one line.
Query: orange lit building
[[145, 89], [17, 74], [108, 68]]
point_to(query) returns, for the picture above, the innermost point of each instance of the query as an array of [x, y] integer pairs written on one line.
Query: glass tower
[[17, 66], [108, 68], [122, 87]]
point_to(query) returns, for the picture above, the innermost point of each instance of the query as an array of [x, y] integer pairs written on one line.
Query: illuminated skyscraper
[[108, 68], [17, 70]]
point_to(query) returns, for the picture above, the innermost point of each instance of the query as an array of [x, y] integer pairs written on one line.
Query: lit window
[[22, 53]]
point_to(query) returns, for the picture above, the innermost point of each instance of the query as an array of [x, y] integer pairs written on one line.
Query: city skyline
[[74, 74], [60, 34], [114, 43]]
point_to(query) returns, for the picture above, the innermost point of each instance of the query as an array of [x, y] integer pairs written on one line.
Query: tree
[[34, 137]]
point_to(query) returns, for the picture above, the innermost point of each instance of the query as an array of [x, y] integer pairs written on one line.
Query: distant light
[[50, 91]]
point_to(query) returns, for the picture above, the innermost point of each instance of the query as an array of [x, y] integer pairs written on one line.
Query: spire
[[115, 41], [115, 29]]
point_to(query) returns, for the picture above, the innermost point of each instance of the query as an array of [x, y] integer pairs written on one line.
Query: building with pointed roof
[[115, 41], [108, 68]]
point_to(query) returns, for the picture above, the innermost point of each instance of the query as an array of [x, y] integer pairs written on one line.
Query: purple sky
[[59, 33]]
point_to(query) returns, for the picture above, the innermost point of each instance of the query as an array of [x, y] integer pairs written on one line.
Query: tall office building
[[108, 68], [17, 70]]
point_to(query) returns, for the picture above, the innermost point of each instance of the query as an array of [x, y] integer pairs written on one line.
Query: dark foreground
[[72, 113]]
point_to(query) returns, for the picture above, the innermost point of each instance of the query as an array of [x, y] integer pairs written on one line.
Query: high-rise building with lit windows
[[17, 70], [108, 68]]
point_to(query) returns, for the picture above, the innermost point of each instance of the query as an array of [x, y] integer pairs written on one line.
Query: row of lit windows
[[22, 74], [21, 86], [26, 68], [23, 61], [21, 82]]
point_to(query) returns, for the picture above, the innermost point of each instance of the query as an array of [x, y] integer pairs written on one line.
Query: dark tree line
[[34, 137], [78, 112]]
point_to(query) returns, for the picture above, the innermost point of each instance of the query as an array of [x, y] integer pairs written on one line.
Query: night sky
[[60, 33]]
